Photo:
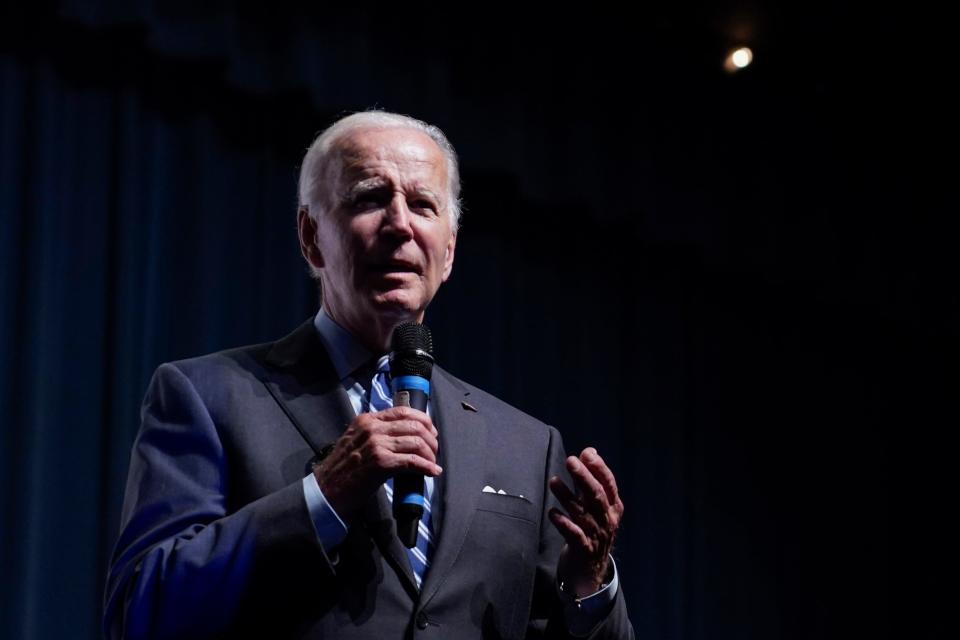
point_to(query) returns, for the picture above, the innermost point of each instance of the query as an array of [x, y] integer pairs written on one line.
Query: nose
[[398, 220]]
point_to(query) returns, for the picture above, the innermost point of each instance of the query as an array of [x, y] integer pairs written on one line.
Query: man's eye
[[367, 201], [423, 205]]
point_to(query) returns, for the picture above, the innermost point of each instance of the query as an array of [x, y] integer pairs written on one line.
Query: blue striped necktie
[[380, 398]]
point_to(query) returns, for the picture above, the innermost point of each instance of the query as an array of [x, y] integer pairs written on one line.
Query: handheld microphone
[[411, 364]]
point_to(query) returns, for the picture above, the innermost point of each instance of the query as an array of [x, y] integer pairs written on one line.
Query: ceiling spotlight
[[738, 59]]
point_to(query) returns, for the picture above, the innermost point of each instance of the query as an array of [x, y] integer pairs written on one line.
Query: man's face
[[384, 239]]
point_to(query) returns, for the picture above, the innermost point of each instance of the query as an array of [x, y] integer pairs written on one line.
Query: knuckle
[[421, 428], [363, 431], [425, 451], [364, 420]]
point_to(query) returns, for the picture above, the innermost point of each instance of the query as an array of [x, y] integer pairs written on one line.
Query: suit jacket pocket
[[510, 506], [503, 541]]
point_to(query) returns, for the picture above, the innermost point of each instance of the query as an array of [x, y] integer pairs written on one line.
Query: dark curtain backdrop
[[739, 288]]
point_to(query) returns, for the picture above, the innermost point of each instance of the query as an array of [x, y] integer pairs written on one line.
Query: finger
[[572, 534], [602, 473], [568, 500], [413, 463], [367, 426], [592, 493], [407, 413], [411, 444], [401, 428], [575, 509]]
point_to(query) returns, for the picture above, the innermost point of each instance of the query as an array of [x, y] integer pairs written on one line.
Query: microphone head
[[411, 351]]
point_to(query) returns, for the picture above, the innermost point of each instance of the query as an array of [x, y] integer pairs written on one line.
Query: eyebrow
[[376, 183], [362, 186], [373, 182]]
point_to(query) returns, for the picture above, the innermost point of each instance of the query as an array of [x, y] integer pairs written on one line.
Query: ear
[[307, 230], [448, 256]]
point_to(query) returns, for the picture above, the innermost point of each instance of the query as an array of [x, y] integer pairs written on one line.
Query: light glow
[[737, 59]]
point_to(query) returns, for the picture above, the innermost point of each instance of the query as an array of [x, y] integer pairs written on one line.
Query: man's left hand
[[590, 523]]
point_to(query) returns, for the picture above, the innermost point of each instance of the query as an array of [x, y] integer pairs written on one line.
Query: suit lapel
[[381, 526], [302, 380], [463, 435]]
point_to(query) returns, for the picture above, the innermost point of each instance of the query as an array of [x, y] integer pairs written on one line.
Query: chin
[[399, 304]]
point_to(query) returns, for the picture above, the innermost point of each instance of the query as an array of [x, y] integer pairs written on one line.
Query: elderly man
[[258, 501]]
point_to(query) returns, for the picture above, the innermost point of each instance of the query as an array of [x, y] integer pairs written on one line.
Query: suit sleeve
[[547, 611], [184, 566]]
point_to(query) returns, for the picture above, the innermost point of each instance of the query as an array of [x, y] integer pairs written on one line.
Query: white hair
[[313, 169]]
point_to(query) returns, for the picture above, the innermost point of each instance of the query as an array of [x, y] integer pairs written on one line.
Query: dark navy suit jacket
[[216, 539]]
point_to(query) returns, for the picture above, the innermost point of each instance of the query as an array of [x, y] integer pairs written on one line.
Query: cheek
[[361, 236], [347, 243]]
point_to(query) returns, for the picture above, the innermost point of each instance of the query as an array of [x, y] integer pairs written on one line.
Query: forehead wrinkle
[[408, 167], [363, 178], [356, 152]]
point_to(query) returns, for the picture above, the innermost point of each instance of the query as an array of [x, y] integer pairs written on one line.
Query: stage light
[[738, 59]]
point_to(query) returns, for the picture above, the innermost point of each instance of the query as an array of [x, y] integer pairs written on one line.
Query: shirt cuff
[[582, 615], [329, 527]]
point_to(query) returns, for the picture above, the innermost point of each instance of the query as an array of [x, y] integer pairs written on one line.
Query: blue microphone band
[[413, 498], [411, 383]]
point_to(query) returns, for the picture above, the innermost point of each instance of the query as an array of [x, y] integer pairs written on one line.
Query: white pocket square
[[489, 489]]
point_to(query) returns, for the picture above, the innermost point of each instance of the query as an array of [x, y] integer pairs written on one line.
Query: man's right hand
[[375, 447]]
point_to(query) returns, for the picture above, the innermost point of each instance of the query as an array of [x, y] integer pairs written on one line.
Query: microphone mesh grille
[[407, 339]]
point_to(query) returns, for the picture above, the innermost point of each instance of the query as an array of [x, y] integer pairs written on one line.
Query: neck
[[375, 332]]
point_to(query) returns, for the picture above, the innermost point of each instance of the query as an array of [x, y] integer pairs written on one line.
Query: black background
[[739, 287]]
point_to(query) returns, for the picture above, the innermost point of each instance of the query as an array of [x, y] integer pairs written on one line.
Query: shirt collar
[[346, 353]]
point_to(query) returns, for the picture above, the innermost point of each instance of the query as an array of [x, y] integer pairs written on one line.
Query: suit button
[[422, 622]]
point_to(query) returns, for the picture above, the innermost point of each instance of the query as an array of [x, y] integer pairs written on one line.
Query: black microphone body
[[411, 365]]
